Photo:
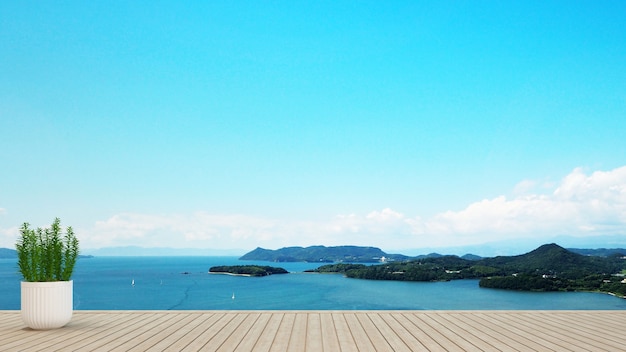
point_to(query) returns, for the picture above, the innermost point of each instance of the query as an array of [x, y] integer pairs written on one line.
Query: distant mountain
[[322, 254], [128, 251], [437, 255], [6, 253], [429, 255], [600, 252], [523, 245], [471, 257]]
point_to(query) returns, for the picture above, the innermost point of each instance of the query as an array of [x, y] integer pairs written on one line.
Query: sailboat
[[133, 282], [233, 295]]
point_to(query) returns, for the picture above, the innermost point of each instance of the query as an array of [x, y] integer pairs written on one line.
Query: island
[[547, 268], [247, 270], [322, 254]]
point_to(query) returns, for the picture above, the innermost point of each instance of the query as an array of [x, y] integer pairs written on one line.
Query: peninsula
[[547, 268]]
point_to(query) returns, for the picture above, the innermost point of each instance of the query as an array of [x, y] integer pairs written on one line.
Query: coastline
[[612, 294], [230, 274]]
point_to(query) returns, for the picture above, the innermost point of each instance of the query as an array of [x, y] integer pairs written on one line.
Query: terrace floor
[[323, 331]]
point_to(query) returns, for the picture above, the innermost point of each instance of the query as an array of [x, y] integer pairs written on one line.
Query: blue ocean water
[[162, 283]]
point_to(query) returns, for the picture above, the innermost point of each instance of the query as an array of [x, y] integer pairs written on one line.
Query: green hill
[[547, 268], [554, 259], [321, 254]]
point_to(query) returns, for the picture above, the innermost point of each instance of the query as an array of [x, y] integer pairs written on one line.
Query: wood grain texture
[[322, 331]]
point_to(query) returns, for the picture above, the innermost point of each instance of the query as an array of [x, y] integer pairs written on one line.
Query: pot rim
[[46, 283]]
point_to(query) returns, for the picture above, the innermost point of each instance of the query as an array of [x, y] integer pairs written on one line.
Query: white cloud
[[176, 230], [524, 187], [579, 205], [384, 216], [8, 237]]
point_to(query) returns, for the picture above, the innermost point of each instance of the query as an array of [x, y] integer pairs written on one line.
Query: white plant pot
[[47, 305]]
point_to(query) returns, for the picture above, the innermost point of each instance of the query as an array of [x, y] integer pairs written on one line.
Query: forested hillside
[[321, 254], [547, 268]]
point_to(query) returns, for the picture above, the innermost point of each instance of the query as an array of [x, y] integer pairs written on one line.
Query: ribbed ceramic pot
[[47, 305]]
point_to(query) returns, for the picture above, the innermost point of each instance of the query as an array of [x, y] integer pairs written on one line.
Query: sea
[[183, 283]]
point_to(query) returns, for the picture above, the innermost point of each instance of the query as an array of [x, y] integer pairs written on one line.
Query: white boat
[[133, 282], [233, 295]]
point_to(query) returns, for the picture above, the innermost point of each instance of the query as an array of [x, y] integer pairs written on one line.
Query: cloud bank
[[579, 205]]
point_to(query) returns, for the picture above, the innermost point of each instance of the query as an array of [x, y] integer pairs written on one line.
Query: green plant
[[46, 254]]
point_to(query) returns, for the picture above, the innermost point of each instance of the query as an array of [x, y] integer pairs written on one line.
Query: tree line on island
[[247, 270]]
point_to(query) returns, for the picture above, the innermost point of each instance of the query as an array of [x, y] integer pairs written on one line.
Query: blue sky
[[228, 124]]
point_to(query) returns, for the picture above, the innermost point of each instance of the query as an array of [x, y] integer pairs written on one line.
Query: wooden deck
[[323, 331]]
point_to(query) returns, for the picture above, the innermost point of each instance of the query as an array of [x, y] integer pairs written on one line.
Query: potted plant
[[46, 259]]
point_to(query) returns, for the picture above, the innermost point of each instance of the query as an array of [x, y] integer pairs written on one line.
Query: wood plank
[[344, 335], [127, 336], [591, 328], [393, 340], [562, 336], [177, 331], [268, 334], [145, 335], [408, 321], [195, 330], [455, 323], [85, 325], [203, 339], [94, 332], [462, 342], [420, 321], [314, 332], [10, 319], [504, 328], [241, 333], [254, 333], [297, 339], [35, 340], [19, 332], [361, 339], [24, 337], [375, 336], [494, 334], [566, 338], [512, 320], [612, 321], [323, 331], [330, 341], [166, 330], [108, 332], [22, 332], [391, 319], [223, 336], [509, 337], [281, 339]]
